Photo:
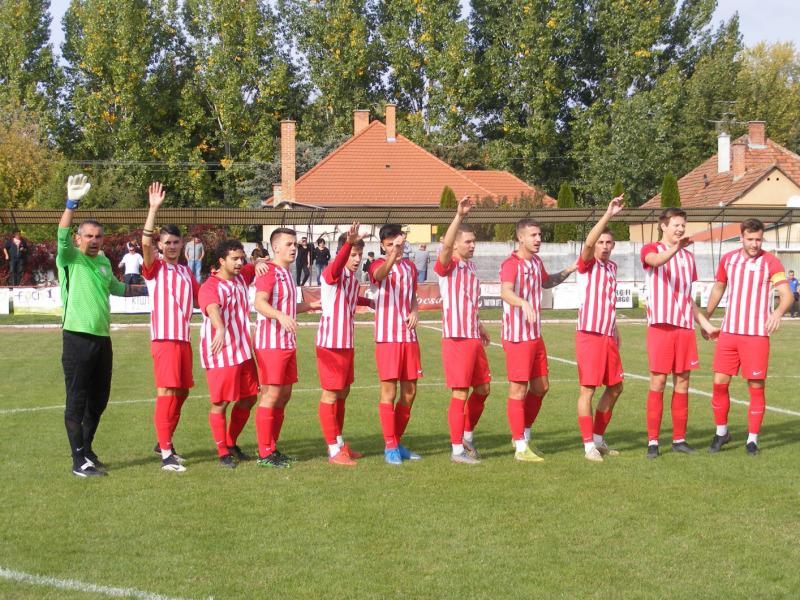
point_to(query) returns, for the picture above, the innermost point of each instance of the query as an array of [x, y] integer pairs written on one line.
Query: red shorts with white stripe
[[277, 366], [598, 359], [465, 363], [231, 384], [398, 360], [525, 360], [671, 349], [335, 367], [172, 364], [751, 352]]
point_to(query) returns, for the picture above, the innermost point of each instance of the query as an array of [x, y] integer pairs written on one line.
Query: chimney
[[277, 195], [756, 134], [723, 153], [738, 159], [287, 161], [390, 122], [360, 121]]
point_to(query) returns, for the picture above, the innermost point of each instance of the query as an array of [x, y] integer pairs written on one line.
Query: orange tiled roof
[[724, 188], [368, 170], [504, 184]]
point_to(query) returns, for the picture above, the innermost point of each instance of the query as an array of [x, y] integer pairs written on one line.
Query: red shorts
[[231, 384], [598, 359], [671, 349], [172, 364], [335, 367], [398, 360], [751, 352], [525, 360], [277, 366], [465, 363]]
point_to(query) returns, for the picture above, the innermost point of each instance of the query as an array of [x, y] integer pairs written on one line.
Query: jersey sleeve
[[152, 271], [585, 267], [376, 264], [444, 271], [543, 270], [647, 249], [265, 283], [249, 273], [115, 286], [65, 253], [208, 294], [777, 273], [333, 272], [508, 271]]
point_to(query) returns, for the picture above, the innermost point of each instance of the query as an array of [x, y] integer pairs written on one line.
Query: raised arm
[[156, 196], [656, 259], [614, 208], [77, 187], [446, 255], [554, 280], [393, 255]]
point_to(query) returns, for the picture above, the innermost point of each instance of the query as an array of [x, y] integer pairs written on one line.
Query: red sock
[[655, 408], [387, 425], [265, 420], [456, 418], [585, 423], [601, 420], [161, 421], [239, 418], [340, 415], [327, 421], [475, 404], [755, 413], [175, 413], [218, 427], [277, 424], [721, 403], [516, 418], [402, 414], [533, 404], [680, 415]]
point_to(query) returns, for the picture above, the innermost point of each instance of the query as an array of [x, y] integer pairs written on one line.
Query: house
[[379, 167], [752, 170]]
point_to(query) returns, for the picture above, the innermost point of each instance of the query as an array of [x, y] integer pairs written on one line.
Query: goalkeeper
[[86, 281]]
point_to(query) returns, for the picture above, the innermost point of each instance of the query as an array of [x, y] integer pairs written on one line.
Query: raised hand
[[156, 195], [616, 205], [352, 234], [464, 206], [77, 187]]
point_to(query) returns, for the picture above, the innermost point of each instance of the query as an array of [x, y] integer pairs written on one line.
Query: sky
[[761, 20]]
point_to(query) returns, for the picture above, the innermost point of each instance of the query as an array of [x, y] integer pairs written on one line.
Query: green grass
[[710, 526]]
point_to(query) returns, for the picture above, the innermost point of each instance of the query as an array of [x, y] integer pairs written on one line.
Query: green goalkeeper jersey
[[86, 283]]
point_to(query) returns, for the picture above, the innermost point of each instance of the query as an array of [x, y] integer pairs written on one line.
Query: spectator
[[194, 254], [15, 250], [321, 256], [421, 260], [259, 252], [132, 262], [302, 262], [407, 249], [365, 267]]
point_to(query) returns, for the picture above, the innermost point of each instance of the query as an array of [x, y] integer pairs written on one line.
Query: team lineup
[[260, 373]]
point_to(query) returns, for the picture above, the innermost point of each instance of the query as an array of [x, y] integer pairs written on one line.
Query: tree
[[670, 196], [621, 230], [565, 232], [446, 200]]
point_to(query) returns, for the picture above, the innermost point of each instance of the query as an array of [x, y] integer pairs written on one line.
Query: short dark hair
[[752, 225], [16, 231], [320, 241], [390, 231], [343, 239], [91, 222], [608, 231], [526, 222], [170, 230], [464, 229], [282, 231], [670, 213], [224, 248]]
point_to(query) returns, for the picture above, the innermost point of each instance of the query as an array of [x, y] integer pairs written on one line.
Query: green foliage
[[446, 200], [504, 232], [670, 195], [621, 230], [564, 232]]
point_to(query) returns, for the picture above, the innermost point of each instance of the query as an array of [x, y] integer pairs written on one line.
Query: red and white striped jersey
[[339, 296], [174, 293], [669, 287], [393, 298], [527, 277], [460, 290], [234, 308], [751, 283], [281, 292], [597, 290]]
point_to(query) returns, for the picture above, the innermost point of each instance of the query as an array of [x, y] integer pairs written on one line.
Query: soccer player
[[671, 312], [463, 336], [335, 354], [86, 281], [522, 277], [276, 345], [225, 344], [394, 290], [597, 340], [174, 297], [750, 275]]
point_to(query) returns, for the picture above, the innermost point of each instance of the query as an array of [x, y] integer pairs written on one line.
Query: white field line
[[80, 586], [646, 378]]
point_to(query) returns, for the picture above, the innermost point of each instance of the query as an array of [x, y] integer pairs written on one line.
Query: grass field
[[707, 526]]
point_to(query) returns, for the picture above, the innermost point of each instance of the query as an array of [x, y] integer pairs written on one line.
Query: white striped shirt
[[527, 277], [234, 309], [339, 296], [597, 290], [669, 287], [393, 298], [174, 292], [460, 289], [281, 295], [751, 283]]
